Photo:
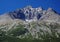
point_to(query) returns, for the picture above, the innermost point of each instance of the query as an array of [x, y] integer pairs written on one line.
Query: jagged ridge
[[36, 22]]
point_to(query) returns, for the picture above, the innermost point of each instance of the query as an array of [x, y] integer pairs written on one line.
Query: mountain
[[29, 13], [32, 23]]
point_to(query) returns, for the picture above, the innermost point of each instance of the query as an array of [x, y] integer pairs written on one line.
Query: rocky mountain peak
[[50, 9], [29, 13], [31, 23]]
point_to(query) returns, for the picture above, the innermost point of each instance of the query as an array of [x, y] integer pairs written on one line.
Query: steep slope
[[32, 23], [50, 16]]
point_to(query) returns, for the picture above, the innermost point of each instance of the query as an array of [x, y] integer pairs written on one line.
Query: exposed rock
[[39, 23]]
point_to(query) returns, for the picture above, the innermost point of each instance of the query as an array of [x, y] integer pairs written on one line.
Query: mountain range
[[31, 22]]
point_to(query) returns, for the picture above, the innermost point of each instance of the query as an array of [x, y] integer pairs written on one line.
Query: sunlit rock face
[[29, 21], [30, 13], [26, 13]]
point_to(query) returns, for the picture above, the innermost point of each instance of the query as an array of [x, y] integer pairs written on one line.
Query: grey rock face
[[38, 22], [29, 13]]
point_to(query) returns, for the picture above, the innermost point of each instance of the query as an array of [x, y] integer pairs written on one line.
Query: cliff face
[[34, 22], [29, 13]]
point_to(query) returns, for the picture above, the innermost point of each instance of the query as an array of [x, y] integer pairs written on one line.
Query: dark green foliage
[[8, 38], [19, 30]]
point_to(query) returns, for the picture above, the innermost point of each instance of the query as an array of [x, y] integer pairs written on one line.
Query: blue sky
[[10, 5]]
